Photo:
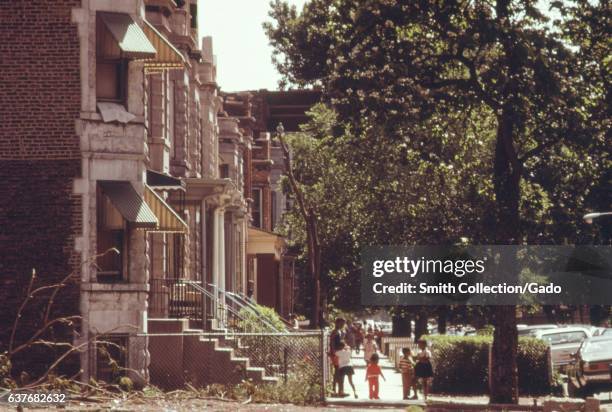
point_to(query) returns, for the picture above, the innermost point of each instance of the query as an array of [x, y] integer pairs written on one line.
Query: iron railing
[[176, 299], [201, 303]]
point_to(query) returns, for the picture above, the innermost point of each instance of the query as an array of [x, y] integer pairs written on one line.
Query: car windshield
[[603, 348], [564, 337]]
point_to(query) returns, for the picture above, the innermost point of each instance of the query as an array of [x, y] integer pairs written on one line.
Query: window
[[274, 209], [564, 337], [111, 80], [224, 171], [111, 69], [193, 10], [111, 241], [257, 208], [111, 357], [174, 255]]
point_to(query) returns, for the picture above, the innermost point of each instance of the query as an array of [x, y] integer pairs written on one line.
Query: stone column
[[215, 247], [180, 162], [218, 263], [230, 252], [221, 241], [240, 230]]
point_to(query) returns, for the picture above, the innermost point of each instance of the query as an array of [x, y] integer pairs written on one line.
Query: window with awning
[[121, 208], [168, 56], [150, 212], [119, 39], [129, 204], [168, 220], [119, 36]]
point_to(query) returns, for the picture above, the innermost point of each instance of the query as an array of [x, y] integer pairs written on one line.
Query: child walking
[[373, 371], [406, 366], [423, 369], [369, 348], [345, 368]]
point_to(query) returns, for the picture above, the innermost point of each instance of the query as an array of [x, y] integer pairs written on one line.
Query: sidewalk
[[391, 393]]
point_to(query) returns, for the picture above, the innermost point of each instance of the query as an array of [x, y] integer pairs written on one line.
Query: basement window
[[111, 357]]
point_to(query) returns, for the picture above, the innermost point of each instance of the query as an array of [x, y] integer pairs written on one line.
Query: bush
[[461, 365], [252, 322]]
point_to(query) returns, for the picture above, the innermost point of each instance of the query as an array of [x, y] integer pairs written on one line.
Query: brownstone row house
[[123, 163]]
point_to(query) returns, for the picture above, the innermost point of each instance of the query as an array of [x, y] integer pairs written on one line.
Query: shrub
[[461, 365], [252, 322]]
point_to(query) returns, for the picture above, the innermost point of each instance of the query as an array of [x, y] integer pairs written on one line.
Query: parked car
[[595, 330], [530, 330], [591, 368], [563, 342], [606, 332]]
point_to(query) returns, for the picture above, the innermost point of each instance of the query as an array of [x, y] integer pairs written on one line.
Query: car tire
[[587, 392], [572, 390]]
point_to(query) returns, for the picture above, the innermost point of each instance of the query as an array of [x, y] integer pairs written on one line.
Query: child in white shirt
[[369, 348], [345, 368]]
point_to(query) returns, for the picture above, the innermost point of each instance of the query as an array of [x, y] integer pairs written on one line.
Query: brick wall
[[39, 158]]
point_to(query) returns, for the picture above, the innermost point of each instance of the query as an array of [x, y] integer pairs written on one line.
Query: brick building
[[121, 162]]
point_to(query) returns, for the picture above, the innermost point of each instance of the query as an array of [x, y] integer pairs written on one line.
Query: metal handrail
[[196, 285]]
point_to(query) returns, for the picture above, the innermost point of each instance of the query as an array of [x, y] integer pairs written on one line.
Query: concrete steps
[[198, 360]]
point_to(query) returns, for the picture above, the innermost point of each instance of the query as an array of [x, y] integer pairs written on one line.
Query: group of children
[[416, 368], [411, 368]]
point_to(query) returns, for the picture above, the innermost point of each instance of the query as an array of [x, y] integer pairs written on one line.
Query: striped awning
[[121, 36], [168, 57], [162, 181], [168, 220], [130, 204]]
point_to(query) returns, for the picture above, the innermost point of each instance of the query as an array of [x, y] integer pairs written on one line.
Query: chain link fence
[[290, 361]]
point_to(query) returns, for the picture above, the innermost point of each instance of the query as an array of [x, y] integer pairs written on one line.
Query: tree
[[392, 65], [312, 234]]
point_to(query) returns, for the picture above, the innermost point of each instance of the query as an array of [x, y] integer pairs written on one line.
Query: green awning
[[130, 38], [129, 203]]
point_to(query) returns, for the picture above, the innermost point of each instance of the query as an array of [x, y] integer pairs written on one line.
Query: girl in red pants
[[372, 373]]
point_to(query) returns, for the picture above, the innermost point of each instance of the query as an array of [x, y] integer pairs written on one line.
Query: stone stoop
[[197, 360], [229, 340], [225, 368]]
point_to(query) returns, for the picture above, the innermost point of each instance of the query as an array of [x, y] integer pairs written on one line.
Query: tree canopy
[[477, 120]]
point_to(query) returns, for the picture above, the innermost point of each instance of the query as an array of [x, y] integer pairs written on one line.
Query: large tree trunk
[[401, 324], [507, 172], [420, 324], [504, 376], [442, 319]]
